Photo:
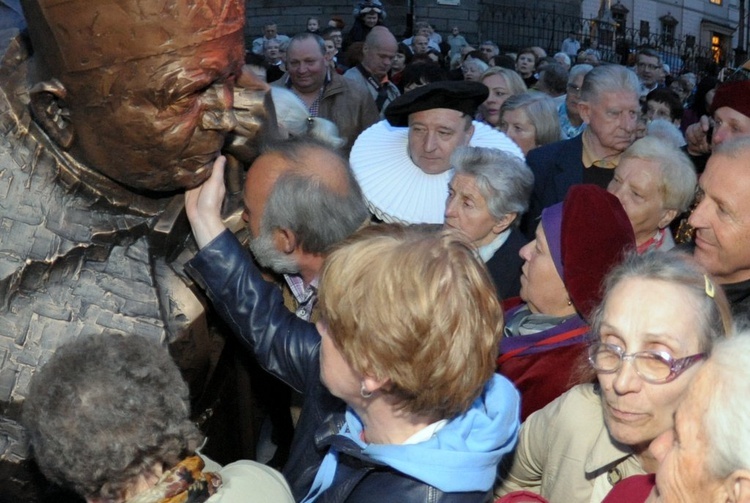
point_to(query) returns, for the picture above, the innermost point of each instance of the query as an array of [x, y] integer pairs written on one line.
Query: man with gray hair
[[378, 53], [300, 199], [609, 107], [706, 454], [563, 60], [722, 223], [489, 49]]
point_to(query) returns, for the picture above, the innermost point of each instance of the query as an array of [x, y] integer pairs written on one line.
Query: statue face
[[156, 123]]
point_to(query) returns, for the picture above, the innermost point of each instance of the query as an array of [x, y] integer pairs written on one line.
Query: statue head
[[139, 90]]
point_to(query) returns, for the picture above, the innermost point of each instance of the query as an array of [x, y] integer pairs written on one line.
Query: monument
[[111, 110]]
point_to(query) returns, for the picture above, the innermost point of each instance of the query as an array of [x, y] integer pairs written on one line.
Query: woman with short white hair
[[655, 182], [487, 195]]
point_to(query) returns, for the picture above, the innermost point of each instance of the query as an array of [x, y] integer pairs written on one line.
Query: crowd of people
[[488, 275]]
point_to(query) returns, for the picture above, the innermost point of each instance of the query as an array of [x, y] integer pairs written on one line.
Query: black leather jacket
[[288, 347]]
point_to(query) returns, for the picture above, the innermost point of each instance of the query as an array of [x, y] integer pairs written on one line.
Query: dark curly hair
[[105, 409]]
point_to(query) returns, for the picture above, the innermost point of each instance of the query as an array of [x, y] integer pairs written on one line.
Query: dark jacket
[[288, 348], [556, 168], [505, 266]]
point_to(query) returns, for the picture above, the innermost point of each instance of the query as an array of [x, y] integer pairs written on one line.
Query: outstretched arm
[[203, 205]]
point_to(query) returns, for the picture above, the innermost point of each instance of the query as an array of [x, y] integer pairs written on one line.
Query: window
[[716, 47], [667, 34], [619, 19], [645, 29]]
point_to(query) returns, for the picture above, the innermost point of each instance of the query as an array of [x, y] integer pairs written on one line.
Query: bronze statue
[[123, 104]]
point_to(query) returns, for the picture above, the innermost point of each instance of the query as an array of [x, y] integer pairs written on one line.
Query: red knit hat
[[735, 95], [594, 237]]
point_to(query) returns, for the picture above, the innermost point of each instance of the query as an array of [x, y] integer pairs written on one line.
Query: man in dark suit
[[609, 106]]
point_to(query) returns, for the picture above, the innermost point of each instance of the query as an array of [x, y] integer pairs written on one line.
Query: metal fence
[[514, 28]]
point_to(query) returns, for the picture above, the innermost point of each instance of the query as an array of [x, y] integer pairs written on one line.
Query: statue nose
[[219, 115]]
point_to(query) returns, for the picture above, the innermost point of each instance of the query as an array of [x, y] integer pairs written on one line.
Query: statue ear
[[51, 112]]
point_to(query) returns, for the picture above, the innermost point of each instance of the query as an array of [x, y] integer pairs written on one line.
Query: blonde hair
[[416, 307], [512, 79]]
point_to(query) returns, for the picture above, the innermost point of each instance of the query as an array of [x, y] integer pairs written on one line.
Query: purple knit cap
[[552, 225]]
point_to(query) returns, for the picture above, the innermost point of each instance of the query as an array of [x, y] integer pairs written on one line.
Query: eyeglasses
[[574, 88], [656, 367]]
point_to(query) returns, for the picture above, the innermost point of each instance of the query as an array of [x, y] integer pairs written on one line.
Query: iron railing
[[514, 28]]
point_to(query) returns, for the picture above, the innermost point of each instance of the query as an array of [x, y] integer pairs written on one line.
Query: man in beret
[[403, 162]]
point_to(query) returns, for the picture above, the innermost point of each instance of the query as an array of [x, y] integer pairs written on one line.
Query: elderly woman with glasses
[[659, 319], [487, 195]]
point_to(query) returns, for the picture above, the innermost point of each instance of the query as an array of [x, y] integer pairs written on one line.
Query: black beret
[[464, 96]]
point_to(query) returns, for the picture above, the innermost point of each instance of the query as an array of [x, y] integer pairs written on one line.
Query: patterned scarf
[[185, 483]]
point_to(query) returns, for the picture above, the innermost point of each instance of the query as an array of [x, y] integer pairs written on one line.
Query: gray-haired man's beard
[[268, 256]]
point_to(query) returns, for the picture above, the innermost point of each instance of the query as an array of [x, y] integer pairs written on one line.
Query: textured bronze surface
[[93, 233]]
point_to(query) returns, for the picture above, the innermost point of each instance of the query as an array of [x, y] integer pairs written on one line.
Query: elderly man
[[609, 107], [722, 223], [290, 192], [325, 93], [372, 73], [270, 32], [648, 66], [403, 163], [116, 111], [300, 199], [253, 297]]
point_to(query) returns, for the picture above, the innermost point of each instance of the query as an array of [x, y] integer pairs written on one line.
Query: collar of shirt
[[609, 162], [303, 293], [487, 251]]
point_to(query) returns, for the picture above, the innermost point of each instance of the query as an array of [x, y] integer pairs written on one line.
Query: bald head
[[378, 51], [306, 188]]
